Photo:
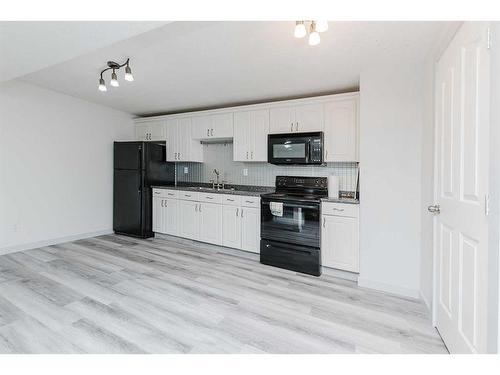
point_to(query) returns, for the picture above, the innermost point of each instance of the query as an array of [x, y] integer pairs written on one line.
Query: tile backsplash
[[220, 157]]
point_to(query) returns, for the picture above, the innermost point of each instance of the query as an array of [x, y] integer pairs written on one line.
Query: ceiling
[[26, 47], [185, 65]]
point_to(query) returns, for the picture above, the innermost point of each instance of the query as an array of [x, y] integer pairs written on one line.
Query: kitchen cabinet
[[150, 131], [189, 223], [212, 127], [340, 236], [158, 214], [170, 218], [250, 135], [210, 217], [341, 130], [231, 224], [180, 144], [300, 118], [250, 229]]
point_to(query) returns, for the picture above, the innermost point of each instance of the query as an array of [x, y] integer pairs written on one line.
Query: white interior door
[[461, 183]]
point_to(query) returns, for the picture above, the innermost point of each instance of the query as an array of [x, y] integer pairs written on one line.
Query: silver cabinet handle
[[199, 207], [230, 200], [297, 126], [211, 132], [249, 202], [170, 194], [209, 197], [237, 210], [241, 212], [175, 155], [196, 208], [178, 156], [187, 195], [247, 155], [208, 132], [162, 202], [435, 209], [326, 154], [323, 222], [291, 127], [338, 209]]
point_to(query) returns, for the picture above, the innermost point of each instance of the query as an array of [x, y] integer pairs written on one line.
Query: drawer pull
[[338, 209], [187, 195], [209, 197], [170, 193], [230, 200], [249, 202]]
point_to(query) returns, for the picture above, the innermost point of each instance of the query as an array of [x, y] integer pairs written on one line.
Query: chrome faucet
[[216, 184]]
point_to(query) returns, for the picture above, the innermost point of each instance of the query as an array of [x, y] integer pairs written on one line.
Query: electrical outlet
[[186, 170], [245, 171]]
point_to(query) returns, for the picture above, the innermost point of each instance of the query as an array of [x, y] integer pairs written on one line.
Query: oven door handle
[[289, 204], [289, 249]]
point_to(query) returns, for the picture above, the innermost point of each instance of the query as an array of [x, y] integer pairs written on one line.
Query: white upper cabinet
[[250, 135], [216, 126], [341, 130], [153, 130], [180, 144], [300, 118]]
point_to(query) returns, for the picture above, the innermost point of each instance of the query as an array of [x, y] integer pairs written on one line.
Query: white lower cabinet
[[210, 218], [189, 223], [250, 229], [227, 220], [231, 224], [340, 236]]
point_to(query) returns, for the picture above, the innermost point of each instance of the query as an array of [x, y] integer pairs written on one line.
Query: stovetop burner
[[299, 188]]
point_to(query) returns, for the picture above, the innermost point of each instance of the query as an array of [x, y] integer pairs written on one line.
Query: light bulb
[[321, 26], [114, 81], [128, 74], [314, 38], [300, 29], [102, 85]]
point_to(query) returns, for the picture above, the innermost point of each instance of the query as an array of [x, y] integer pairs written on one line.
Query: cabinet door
[[339, 243], [184, 139], [309, 118], [259, 132], [170, 218], [158, 204], [201, 126], [172, 140], [231, 224], [210, 222], [241, 142], [250, 229], [222, 126], [282, 120], [341, 130], [157, 130], [189, 224], [141, 132]]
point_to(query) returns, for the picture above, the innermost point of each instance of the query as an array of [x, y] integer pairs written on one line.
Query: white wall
[[391, 121], [55, 166]]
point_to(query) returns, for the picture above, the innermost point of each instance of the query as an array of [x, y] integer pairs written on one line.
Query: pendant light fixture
[[314, 28], [114, 78]]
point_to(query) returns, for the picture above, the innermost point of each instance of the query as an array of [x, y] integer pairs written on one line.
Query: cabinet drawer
[[340, 209], [159, 193], [250, 201], [231, 200], [210, 198], [188, 195]]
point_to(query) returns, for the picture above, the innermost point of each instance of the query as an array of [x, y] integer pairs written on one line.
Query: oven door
[[299, 222], [288, 149]]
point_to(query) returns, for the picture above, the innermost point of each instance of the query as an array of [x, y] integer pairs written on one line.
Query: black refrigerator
[[138, 166]]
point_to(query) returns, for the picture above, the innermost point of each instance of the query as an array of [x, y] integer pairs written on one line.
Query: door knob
[[435, 209]]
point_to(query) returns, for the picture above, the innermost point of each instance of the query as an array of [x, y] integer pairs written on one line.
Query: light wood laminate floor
[[114, 294]]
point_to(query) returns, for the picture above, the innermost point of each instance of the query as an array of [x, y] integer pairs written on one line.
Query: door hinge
[[488, 39], [487, 204]]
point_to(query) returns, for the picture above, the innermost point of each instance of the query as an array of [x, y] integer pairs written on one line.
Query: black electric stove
[[290, 224]]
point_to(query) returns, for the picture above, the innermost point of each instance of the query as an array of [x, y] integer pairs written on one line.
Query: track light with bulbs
[[315, 27], [114, 78]]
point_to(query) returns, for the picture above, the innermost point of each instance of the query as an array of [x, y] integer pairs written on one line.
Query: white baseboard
[[388, 288], [426, 302], [53, 241], [340, 274]]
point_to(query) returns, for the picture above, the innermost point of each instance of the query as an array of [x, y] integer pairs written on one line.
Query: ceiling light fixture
[[114, 79], [315, 27]]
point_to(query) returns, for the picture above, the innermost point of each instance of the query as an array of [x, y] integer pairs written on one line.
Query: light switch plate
[[186, 170], [245, 171]]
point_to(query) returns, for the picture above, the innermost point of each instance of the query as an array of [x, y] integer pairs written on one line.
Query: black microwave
[[295, 148]]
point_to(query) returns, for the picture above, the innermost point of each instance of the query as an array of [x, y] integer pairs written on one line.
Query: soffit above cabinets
[[186, 65]]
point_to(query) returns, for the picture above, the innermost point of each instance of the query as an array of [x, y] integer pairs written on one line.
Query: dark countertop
[[341, 200], [248, 190]]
